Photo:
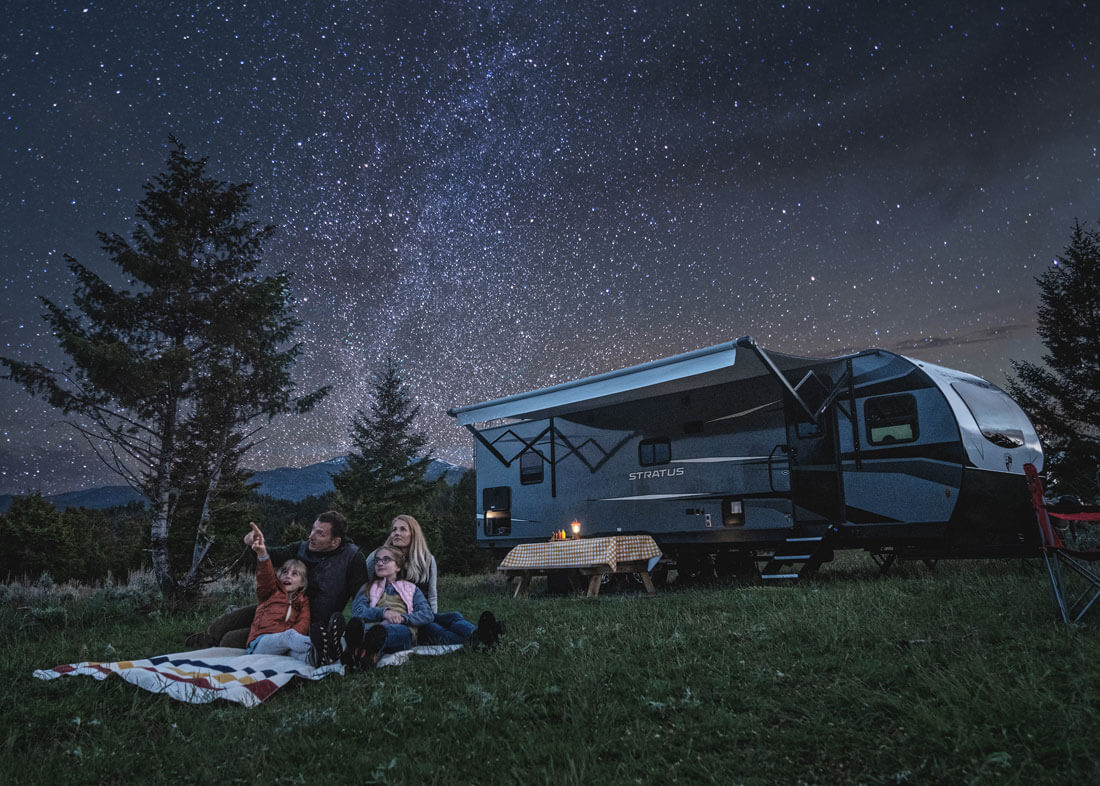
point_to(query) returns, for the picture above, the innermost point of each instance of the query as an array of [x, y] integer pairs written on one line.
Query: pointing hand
[[255, 539]]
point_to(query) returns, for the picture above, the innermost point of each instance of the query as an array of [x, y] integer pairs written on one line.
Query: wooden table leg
[[594, 585], [522, 587], [576, 582], [647, 580]]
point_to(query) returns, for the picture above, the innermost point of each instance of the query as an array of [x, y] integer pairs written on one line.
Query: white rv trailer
[[734, 452]]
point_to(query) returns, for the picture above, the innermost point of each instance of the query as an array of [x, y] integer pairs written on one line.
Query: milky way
[[512, 194]]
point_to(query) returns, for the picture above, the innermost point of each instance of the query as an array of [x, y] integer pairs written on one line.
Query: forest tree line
[[40, 542], [384, 477]]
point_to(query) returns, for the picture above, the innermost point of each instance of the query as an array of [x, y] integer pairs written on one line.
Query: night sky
[[507, 195]]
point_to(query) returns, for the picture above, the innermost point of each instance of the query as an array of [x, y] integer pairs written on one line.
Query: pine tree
[[459, 552], [1063, 397], [385, 472], [165, 379]]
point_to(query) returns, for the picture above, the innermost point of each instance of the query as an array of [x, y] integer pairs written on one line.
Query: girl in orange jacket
[[281, 624]]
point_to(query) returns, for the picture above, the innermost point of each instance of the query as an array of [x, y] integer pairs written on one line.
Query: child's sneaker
[[373, 642], [489, 629], [353, 637]]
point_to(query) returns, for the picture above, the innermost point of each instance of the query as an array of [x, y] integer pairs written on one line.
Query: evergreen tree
[[459, 552], [36, 538], [1063, 397], [165, 379], [385, 472], [31, 541]]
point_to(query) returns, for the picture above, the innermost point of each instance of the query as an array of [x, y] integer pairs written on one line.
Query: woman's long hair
[[419, 558]]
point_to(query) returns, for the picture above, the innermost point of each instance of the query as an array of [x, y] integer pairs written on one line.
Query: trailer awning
[[728, 362]]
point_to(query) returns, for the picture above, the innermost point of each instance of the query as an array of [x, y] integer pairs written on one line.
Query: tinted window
[[999, 417], [496, 498], [530, 468], [654, 451], [891, 419]]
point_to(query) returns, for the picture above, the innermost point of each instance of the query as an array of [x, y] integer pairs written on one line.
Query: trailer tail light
[[733, 512]]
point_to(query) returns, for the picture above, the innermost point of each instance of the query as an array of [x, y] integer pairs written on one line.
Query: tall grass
[[957, 675]]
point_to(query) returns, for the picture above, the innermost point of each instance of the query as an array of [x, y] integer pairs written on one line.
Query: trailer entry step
[[796, 560]]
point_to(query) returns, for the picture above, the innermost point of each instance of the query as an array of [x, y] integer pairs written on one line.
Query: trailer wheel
[[557, 583], [737, 566], [694, 568], [617, 583], [633, 582]]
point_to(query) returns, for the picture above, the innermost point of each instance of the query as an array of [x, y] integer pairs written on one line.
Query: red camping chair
[[1069, 556]]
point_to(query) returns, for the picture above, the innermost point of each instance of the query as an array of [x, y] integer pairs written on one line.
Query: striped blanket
[[201, 676]]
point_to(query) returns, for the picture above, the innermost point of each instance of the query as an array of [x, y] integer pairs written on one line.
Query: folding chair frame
[[1060, 561]]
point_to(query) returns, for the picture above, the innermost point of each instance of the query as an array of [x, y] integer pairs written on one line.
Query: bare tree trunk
[[203, 540], [162, 567], [162, 507]]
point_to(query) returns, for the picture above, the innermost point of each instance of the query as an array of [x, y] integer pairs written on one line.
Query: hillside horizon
[[287, 483]]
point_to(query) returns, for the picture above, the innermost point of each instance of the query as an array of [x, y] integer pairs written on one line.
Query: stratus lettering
[[657, 473]]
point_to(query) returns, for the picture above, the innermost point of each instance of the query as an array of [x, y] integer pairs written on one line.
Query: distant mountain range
[[288, 483]]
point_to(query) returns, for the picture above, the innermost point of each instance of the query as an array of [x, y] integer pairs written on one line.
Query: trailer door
[[817, 488]]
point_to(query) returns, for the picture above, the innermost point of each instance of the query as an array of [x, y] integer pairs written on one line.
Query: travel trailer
[[731, 455]]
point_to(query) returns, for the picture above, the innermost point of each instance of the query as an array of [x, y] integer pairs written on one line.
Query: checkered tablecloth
[[581, 553]]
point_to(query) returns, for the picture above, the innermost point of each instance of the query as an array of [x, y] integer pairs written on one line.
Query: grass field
[[958, 675]]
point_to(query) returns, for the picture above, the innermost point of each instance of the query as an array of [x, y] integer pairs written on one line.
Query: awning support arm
[[834, 394], [749, 343]]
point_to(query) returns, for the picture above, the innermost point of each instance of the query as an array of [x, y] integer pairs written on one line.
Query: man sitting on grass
[[336, 572]]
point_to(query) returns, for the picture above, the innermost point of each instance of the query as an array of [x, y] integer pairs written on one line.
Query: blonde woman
[[420, 568]]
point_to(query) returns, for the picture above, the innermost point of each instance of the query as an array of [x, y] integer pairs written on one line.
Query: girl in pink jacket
[[385, 612]]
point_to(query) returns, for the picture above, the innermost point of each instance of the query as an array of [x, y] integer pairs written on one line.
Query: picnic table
[[583, 557]]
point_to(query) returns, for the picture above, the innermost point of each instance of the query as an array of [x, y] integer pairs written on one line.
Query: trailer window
[[496, 498], [654, 451], [891, 419], [530, 468], [999, 417]]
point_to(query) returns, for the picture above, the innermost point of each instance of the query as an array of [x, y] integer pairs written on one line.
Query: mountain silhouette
[[289, 483]]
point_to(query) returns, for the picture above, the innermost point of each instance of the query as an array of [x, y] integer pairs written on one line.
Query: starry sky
[[507, 195]]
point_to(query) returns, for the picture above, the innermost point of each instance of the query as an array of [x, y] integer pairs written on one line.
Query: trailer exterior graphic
[[731, 451]]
